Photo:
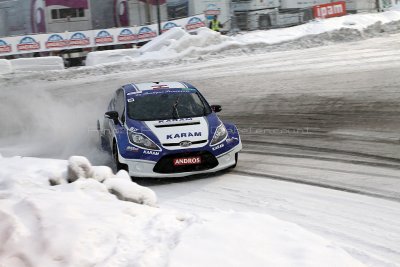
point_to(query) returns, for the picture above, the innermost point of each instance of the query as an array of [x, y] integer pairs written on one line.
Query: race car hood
[[171, 133]]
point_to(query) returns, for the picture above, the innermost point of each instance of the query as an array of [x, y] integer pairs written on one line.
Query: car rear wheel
[[103, 140], [119, 166]]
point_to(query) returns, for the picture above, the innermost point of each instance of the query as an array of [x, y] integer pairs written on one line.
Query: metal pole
[[158, 17]]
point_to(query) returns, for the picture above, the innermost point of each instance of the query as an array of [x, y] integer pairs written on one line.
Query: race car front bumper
[[144, 168]]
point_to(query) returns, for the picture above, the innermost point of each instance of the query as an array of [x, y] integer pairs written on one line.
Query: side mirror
[[112, 115], [216, 108]]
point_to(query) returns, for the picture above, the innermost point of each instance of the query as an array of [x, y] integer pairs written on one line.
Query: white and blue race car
[[167, 129]]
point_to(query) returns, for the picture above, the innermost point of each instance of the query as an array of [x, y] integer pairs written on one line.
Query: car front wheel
[[118, 164]]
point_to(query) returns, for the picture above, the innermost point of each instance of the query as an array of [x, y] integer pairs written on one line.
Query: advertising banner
[[80, 39], [330, 10], [56, 41], [7, 46], [127, 35], [29, 44], [105, 37], [194, 23], [94, 38], [146, 33]]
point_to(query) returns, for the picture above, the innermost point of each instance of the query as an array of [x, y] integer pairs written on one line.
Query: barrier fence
[[93, 38]]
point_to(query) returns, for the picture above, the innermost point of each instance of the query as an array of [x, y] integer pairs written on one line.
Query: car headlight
[[142, 141], [220, 134]]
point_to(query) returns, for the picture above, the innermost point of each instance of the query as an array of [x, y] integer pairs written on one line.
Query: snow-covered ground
[[82, 224], [343, 97]]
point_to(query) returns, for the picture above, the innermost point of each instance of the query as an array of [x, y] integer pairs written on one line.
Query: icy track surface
[[325, 116]]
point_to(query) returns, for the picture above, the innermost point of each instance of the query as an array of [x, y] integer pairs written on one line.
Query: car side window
[[120, 104]]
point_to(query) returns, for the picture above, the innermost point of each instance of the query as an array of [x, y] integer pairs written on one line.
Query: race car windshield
[[166, 106]]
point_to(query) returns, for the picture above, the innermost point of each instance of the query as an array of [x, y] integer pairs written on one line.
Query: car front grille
[[179, 144], [166, 163]]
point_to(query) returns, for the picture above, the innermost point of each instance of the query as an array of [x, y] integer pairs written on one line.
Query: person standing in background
[[215, 24]]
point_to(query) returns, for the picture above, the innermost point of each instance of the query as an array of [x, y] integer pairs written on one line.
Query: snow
[[54, 115], [249, 239], [79, 167], [177, 43], [37, 64], [111, 56], [357, 22], [163, 40], [82, 224], [129, 191], [5, 66]]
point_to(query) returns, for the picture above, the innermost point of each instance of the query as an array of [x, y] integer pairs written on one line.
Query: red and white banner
[[330, 10]]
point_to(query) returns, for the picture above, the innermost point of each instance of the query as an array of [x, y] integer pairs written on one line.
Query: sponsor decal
[[133, 129], [146, 33], [56, 41], [176, 120], [187, 161], [5, 47], [218, 147], [130, 100], [104, 37], [132, 149], [28, 44], [148, 152], [126, 35], [159, 86], [169, 25], [183, 135], [133, 93], [79, 39], [330, 10], [194, 23], [211, 11], [185, 144]]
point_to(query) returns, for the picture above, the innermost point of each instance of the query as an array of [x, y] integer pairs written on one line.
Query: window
[[120, 104], [165, 106], [65, 13]]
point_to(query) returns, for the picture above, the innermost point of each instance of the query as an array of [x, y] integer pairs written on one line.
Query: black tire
[[119, 166], [103, 143]]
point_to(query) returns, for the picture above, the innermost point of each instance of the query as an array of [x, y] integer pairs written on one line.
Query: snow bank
[[111, 56], [357, 22], [164, 40], [128, 191], [120, 185], [5, 66], [79, 167], [37, 64], [82, 224], [77, 224], [176, 43]]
